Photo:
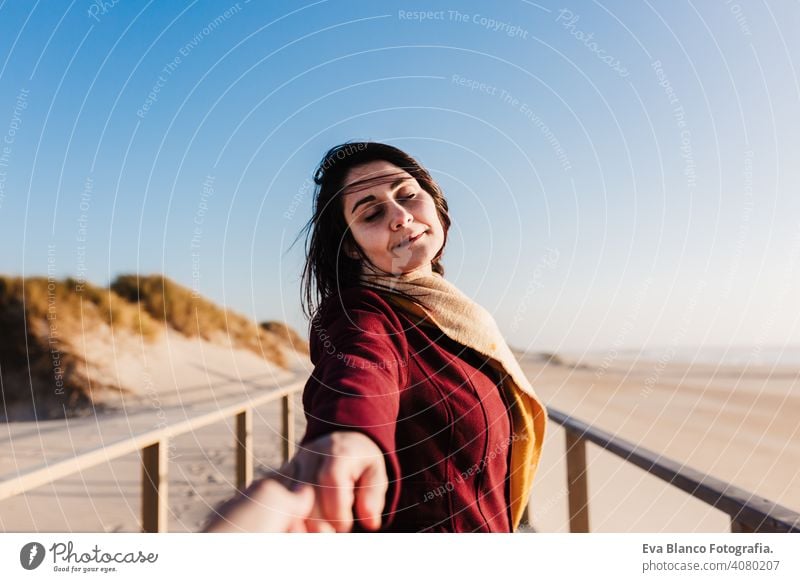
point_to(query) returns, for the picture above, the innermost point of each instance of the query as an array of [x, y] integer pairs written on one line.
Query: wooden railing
[[153, 447], [748, 513]]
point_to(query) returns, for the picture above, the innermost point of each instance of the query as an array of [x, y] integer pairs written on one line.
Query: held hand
[[265, 506], [348, 471]]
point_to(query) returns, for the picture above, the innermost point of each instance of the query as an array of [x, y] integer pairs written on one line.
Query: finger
[[370, 495], [276, 508], [336, 493], [321, 526], [303, 474], [302, 505], [299, 503], [299, 471], [316, 523], [298, 475]]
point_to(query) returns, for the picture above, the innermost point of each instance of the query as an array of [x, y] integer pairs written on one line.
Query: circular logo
[[31, 555]]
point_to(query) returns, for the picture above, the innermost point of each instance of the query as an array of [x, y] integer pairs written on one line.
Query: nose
[[398, 215]]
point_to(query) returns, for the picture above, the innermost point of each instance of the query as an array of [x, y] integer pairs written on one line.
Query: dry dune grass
[[195, 316], [75, 307], [286, 334], [43, 323]]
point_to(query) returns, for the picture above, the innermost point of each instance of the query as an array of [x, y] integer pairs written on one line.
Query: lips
[[410, 240]]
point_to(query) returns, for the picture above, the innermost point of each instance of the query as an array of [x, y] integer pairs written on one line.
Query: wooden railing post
[[287, 426], [577, 484], [154, 487], [244, 449]]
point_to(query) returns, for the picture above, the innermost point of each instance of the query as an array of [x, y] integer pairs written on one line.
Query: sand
[[738, 425]]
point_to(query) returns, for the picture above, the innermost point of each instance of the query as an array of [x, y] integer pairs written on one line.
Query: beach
[[735, 423]]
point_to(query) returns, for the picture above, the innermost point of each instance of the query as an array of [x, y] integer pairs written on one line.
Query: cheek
[[440, 234], [431, 206], [367, 237], [434, 220]]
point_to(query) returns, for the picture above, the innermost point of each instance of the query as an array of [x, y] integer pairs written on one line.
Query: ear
[[350, 250]]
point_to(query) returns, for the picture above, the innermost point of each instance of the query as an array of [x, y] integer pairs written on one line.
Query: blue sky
[[620, 174]]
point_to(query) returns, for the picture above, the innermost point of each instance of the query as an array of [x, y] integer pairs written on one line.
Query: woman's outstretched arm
[[352, 403]]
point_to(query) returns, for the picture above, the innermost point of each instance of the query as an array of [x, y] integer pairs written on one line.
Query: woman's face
[[392, 218]]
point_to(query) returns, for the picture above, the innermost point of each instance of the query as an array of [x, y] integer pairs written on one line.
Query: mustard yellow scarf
[[466, 322]]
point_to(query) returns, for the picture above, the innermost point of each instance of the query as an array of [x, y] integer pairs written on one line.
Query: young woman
[[419, 416]]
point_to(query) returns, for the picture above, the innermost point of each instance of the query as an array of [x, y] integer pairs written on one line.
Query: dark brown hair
[[328, 268]]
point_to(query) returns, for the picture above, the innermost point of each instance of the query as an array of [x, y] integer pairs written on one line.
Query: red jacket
[[433, 407]]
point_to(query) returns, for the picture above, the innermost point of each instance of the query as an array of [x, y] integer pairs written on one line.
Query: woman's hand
[[265, 506], [348, 471]]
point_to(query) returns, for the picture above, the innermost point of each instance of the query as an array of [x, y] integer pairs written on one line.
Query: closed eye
[[379, 211]]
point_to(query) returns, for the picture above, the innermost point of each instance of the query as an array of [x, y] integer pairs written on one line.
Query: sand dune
[[68, 348]]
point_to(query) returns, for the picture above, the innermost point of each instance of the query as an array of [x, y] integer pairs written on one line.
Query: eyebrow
[[394, 186]]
